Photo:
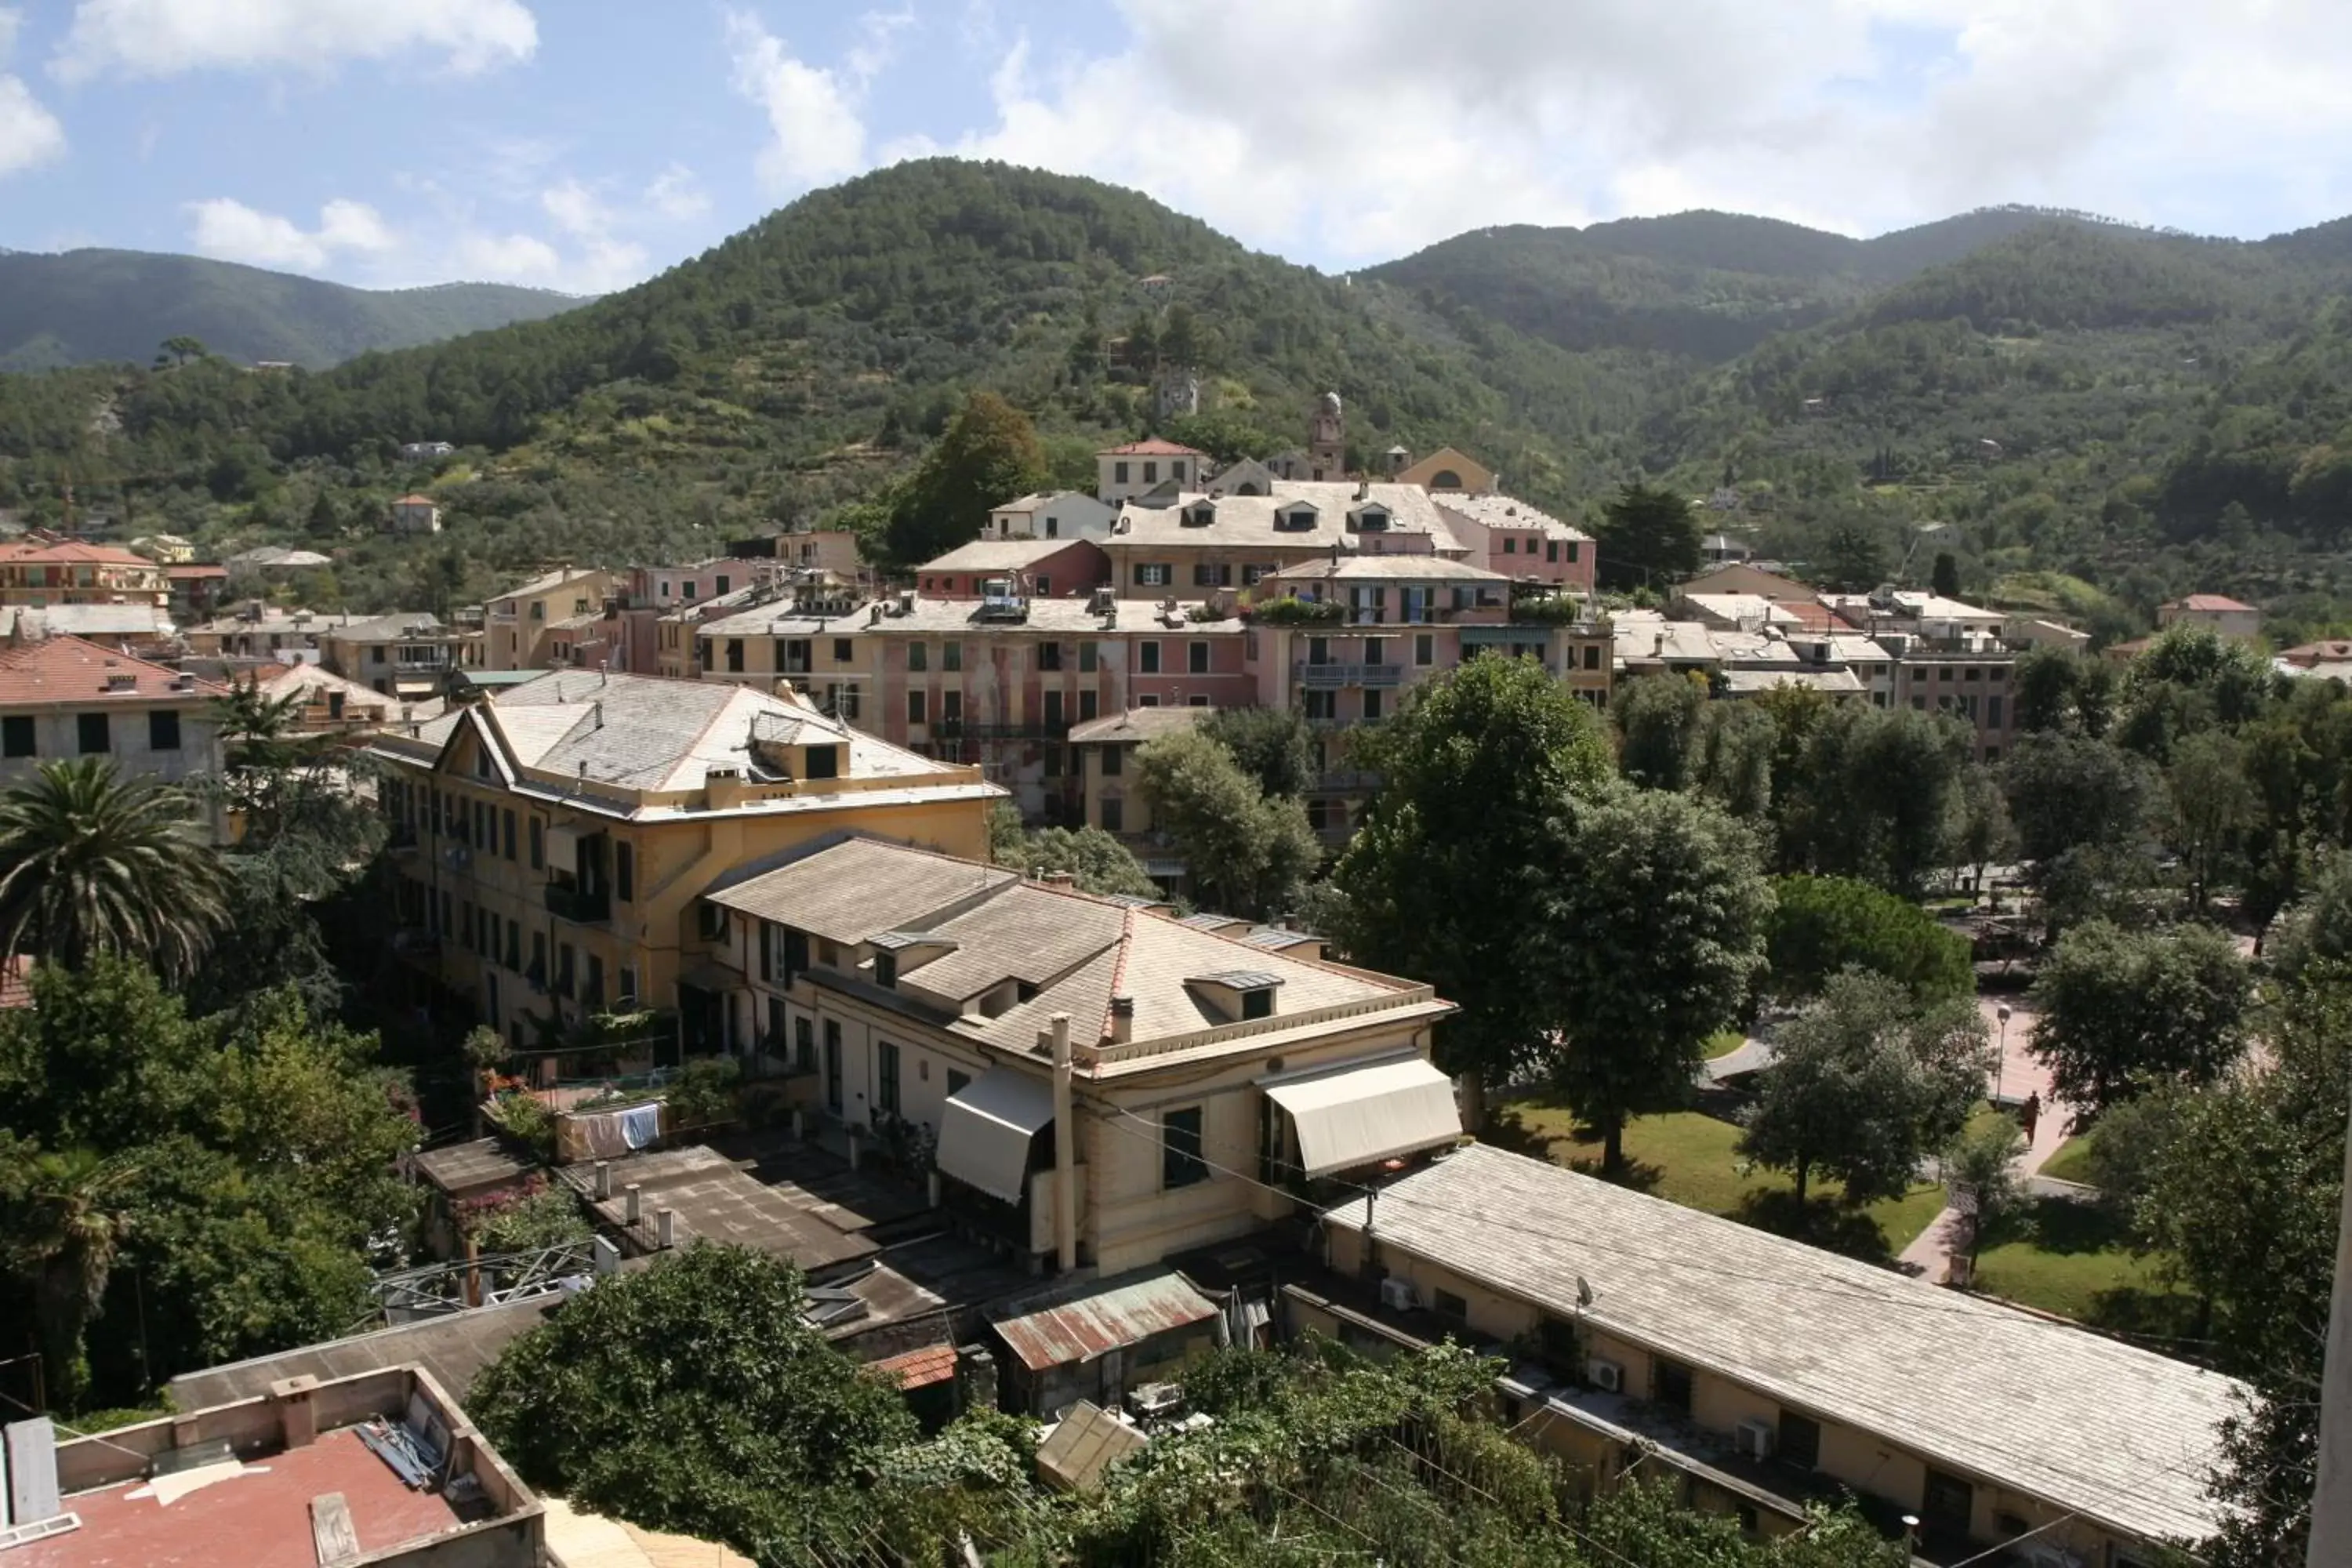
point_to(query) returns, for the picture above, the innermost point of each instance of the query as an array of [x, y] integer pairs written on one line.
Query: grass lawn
[[2074, 1260], [1723, 1042], [2072, 1162], [1685, 1157]]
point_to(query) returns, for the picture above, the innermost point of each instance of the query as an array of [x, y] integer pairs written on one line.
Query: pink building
[[1042, 568], [1519, 540]]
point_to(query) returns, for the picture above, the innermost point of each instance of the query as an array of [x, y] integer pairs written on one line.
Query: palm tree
[[91, 862], [66, 1224]]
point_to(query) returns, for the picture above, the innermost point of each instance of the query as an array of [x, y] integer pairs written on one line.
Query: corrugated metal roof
[[1083, 1329]]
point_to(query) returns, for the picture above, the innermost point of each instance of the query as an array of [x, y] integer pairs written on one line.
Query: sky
[[586, 144]]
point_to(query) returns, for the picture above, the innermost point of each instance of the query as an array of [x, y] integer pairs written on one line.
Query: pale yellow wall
[[517, 641]]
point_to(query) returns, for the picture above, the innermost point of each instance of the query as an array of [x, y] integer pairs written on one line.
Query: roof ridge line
[[1118, 968]]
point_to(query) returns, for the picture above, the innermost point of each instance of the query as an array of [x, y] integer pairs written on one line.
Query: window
[[539, 609], [93, 733], [1196, 702], [918, 656], [1114, 816], [1571, 552], [951, 655], [886, 970], [1670, 1383], [16, 735], [591, 995], [565, 961], [1196, 659], [1054, 720], [1374, 708], [1153, 575], [735, 655], [1800, 1447], [1259, 1002], [1376, 650], [951, 710], [1088, 655], [1149, 655], [1425, 649], [1114, 761], [1551, 550], [510, 825], [1318, 650], [465, 922], [1119, 473], [841, 650], [803, 1045], [1180, 1149], [1322, 704], [163, 730], [1150, 473], [625, 872], [1087, 703], [1207, 577], [1042, 588], [833, 1065], [1992, 712], [537, 844], [1446, 1304], [1947, 1505], [886, 1088], [1510, 545], [1049, 656], [1053, 528], [718, 585], [1149, 700], [1593, 656], [915, 708], [538, 957]]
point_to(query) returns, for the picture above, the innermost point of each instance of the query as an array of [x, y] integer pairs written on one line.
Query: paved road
[[2016, 1076]]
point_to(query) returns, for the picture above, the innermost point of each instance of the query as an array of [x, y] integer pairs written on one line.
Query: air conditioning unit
[[1754, 1438], [1604, 1374], [1397, 1294], [1154, 1400]]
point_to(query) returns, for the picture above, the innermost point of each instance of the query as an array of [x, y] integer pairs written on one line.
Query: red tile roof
[[2208, 602], [417, 500], [196, 573], [1154, 448], [922, 1368], [73, 552], [69, 669]]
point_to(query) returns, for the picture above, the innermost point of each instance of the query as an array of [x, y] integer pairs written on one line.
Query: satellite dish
[[1584, 1292]]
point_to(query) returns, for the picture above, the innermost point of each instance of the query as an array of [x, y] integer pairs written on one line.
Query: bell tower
[[1327, 440]]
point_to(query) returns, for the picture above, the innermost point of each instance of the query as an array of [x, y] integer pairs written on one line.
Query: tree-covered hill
[[91, 307]]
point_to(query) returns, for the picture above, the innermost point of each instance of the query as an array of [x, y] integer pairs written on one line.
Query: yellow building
[[1447, 469], [1731, 1352], [553, 840], [1102, 1084], [516, 623]]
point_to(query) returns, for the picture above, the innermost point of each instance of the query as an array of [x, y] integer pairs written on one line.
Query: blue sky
[[587, 143]]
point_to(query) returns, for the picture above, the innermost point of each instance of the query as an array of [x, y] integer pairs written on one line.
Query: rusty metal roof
[[1085, 1327]]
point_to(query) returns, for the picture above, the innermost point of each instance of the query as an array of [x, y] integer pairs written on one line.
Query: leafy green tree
[[1980, 831], [1442, 880], [91, 863], [1272, 745], [1247, 851], [1097, 862], [694, 1397], [1945, 577], [1732, 762], [180, 349], [1649, 539], [2237, 1187], [1658, 723], [1981, 1172], [1863, 1083], [1852, 558], [1660, 905], [988, 455], [2121, 1009], [1824, 925], [2082, 809], [2211, 805]]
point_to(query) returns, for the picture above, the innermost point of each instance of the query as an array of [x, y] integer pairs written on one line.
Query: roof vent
[[122, 681]]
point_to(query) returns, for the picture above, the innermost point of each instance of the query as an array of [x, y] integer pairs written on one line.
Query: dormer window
[[1258, 1002], [1299, 518], [1200, 514], [1373, 519], [886, 970], [1240, 994]]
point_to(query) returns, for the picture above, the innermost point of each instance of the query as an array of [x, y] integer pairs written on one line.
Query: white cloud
[[1391, 132], [232, 231], [676, 195], [816, 114], [165, 37], [506, 258], [607, 261], [29, 133]]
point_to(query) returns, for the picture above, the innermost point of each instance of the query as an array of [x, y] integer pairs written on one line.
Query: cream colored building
[[1102, 1084], [516, 623], [552, 842], [1447, 469], [1667, 1330]]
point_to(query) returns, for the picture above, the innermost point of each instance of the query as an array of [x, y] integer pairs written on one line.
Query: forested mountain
[[91, 307], [2104, 415]]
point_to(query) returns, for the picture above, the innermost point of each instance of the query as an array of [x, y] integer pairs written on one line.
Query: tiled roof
[[2220, 602], [2055, 1412], [1249, 520], [1385, 568], [1154, 448], [68, 669], [417, 500], [1074, 616], [70, 553], [1136, 724], [1507, 511], [848, 890], [555, 579], [999, 554], [920, 1368]]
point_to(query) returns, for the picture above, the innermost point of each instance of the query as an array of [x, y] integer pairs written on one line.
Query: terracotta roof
[[920, 1368], [194, 570], [73, 551], [1154, 448], [68, 669], [2208, 602], [417, 500]]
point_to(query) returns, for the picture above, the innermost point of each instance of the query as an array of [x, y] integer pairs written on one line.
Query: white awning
[[1359, 1116], [984, 1133]]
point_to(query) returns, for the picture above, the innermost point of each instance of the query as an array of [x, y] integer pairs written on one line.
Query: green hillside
[[91, 307]]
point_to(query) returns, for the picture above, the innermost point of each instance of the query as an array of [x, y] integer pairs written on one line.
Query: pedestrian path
[[2017, 1075]]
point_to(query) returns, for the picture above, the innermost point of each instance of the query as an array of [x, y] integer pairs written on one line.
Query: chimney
[[1059, 878], [1122, 1019], [632, 1202], [1065, 1151], [297, 1420], [666, 1229]]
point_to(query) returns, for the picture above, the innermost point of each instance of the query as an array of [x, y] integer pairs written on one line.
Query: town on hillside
[[1288, 993]]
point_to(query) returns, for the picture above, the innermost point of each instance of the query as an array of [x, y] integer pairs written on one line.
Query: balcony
[[1318, 677], [400, 835], [581, 906]]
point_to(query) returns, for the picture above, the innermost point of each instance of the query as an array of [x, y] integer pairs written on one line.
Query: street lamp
[[2000, 1067]]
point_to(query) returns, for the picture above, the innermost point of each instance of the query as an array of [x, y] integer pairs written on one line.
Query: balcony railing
[[581, 906], [1319, 676]]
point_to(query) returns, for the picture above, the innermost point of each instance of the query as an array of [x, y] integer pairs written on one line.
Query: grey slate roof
[[2123, 1436], [853, 889]]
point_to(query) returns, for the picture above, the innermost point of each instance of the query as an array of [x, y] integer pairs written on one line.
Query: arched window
[[1446, 479]]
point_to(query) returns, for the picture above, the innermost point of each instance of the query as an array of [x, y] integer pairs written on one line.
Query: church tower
[[1327, 440]]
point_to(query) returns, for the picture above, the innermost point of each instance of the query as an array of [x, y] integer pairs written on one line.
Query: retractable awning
[[985, 1130], [1359, 1116]]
